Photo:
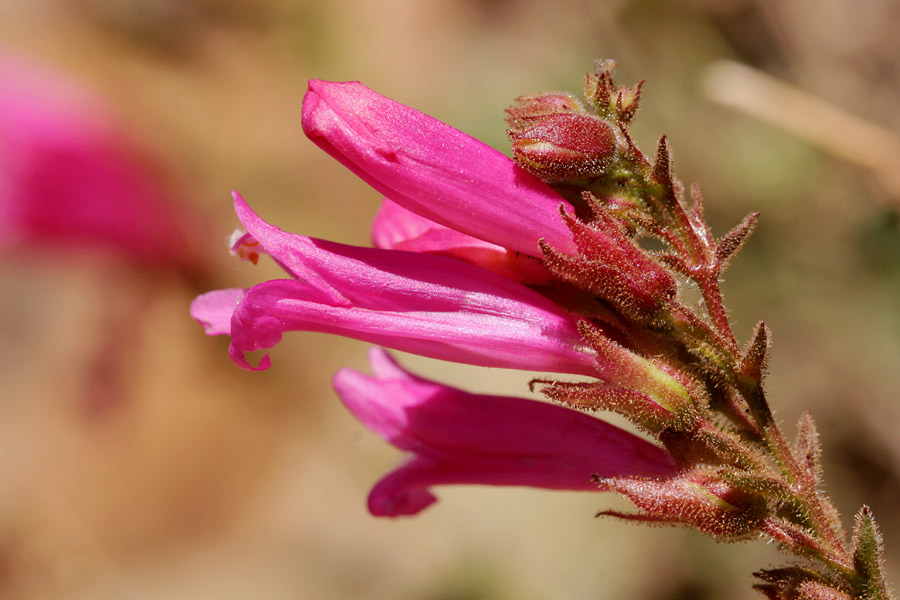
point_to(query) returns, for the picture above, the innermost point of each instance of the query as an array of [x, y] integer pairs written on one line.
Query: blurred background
[[139, 462]]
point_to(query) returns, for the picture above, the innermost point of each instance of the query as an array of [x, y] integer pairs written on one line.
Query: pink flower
[[461, 438], [69, 173], [430, 305], [434, 170]]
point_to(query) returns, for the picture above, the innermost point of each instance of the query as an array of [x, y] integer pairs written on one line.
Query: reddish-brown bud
[[613, 267], [699, 498], [564, 146], [527, 109]]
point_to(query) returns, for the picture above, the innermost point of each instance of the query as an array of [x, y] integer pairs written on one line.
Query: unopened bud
[[527, 109], [564, 146]]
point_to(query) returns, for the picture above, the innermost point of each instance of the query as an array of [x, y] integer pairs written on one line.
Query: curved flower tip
[[461, 438], [214, 310], [397, 228], [433, 169], [425, 304], [69, 172]]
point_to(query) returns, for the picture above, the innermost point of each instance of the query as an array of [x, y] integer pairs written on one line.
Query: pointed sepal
[[868, 555], [639, 408], [612, 266], [618, 103], [756, 357], [663, 385], [807, 447], [798, 583], [734, 240], [699, 498]]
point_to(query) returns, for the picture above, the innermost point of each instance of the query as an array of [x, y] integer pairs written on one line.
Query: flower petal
[[214, 310], [462, 438], [433, 169], [397, 228], [429, 305]]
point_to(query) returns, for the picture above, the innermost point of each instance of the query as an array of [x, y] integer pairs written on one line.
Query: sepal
[[807, 447], [756, 358], [699, 498], [798, 583], [620, 367], [619, 103], [611, 265], [868, 555], [640, 408], [734, 240]]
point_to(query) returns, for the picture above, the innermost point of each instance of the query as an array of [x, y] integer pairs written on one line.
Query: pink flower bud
[[564, 146]]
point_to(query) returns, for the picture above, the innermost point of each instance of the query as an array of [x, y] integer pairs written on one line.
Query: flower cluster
[[538, 264], [455, 275]]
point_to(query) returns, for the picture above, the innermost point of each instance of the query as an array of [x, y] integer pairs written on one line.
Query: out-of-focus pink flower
[[433, 169], [430, 305], [69, 173], [461, 438], [397, 228]]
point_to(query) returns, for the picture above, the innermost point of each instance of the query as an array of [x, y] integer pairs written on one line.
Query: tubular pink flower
[[397, 228], [430, 305], [461, 438], [433, 169], [68, 172]]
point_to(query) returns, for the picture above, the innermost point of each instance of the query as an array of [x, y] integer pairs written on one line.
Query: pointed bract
[[807, 446], [868, 555], [756, 356], [734, 240], [697, 498], [612, 266]]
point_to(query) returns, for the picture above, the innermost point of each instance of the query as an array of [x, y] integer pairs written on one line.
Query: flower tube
[[460, 438], [430, 305], [433, 169]]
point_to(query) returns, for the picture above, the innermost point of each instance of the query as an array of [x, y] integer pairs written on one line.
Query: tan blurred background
[[163, 471]]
